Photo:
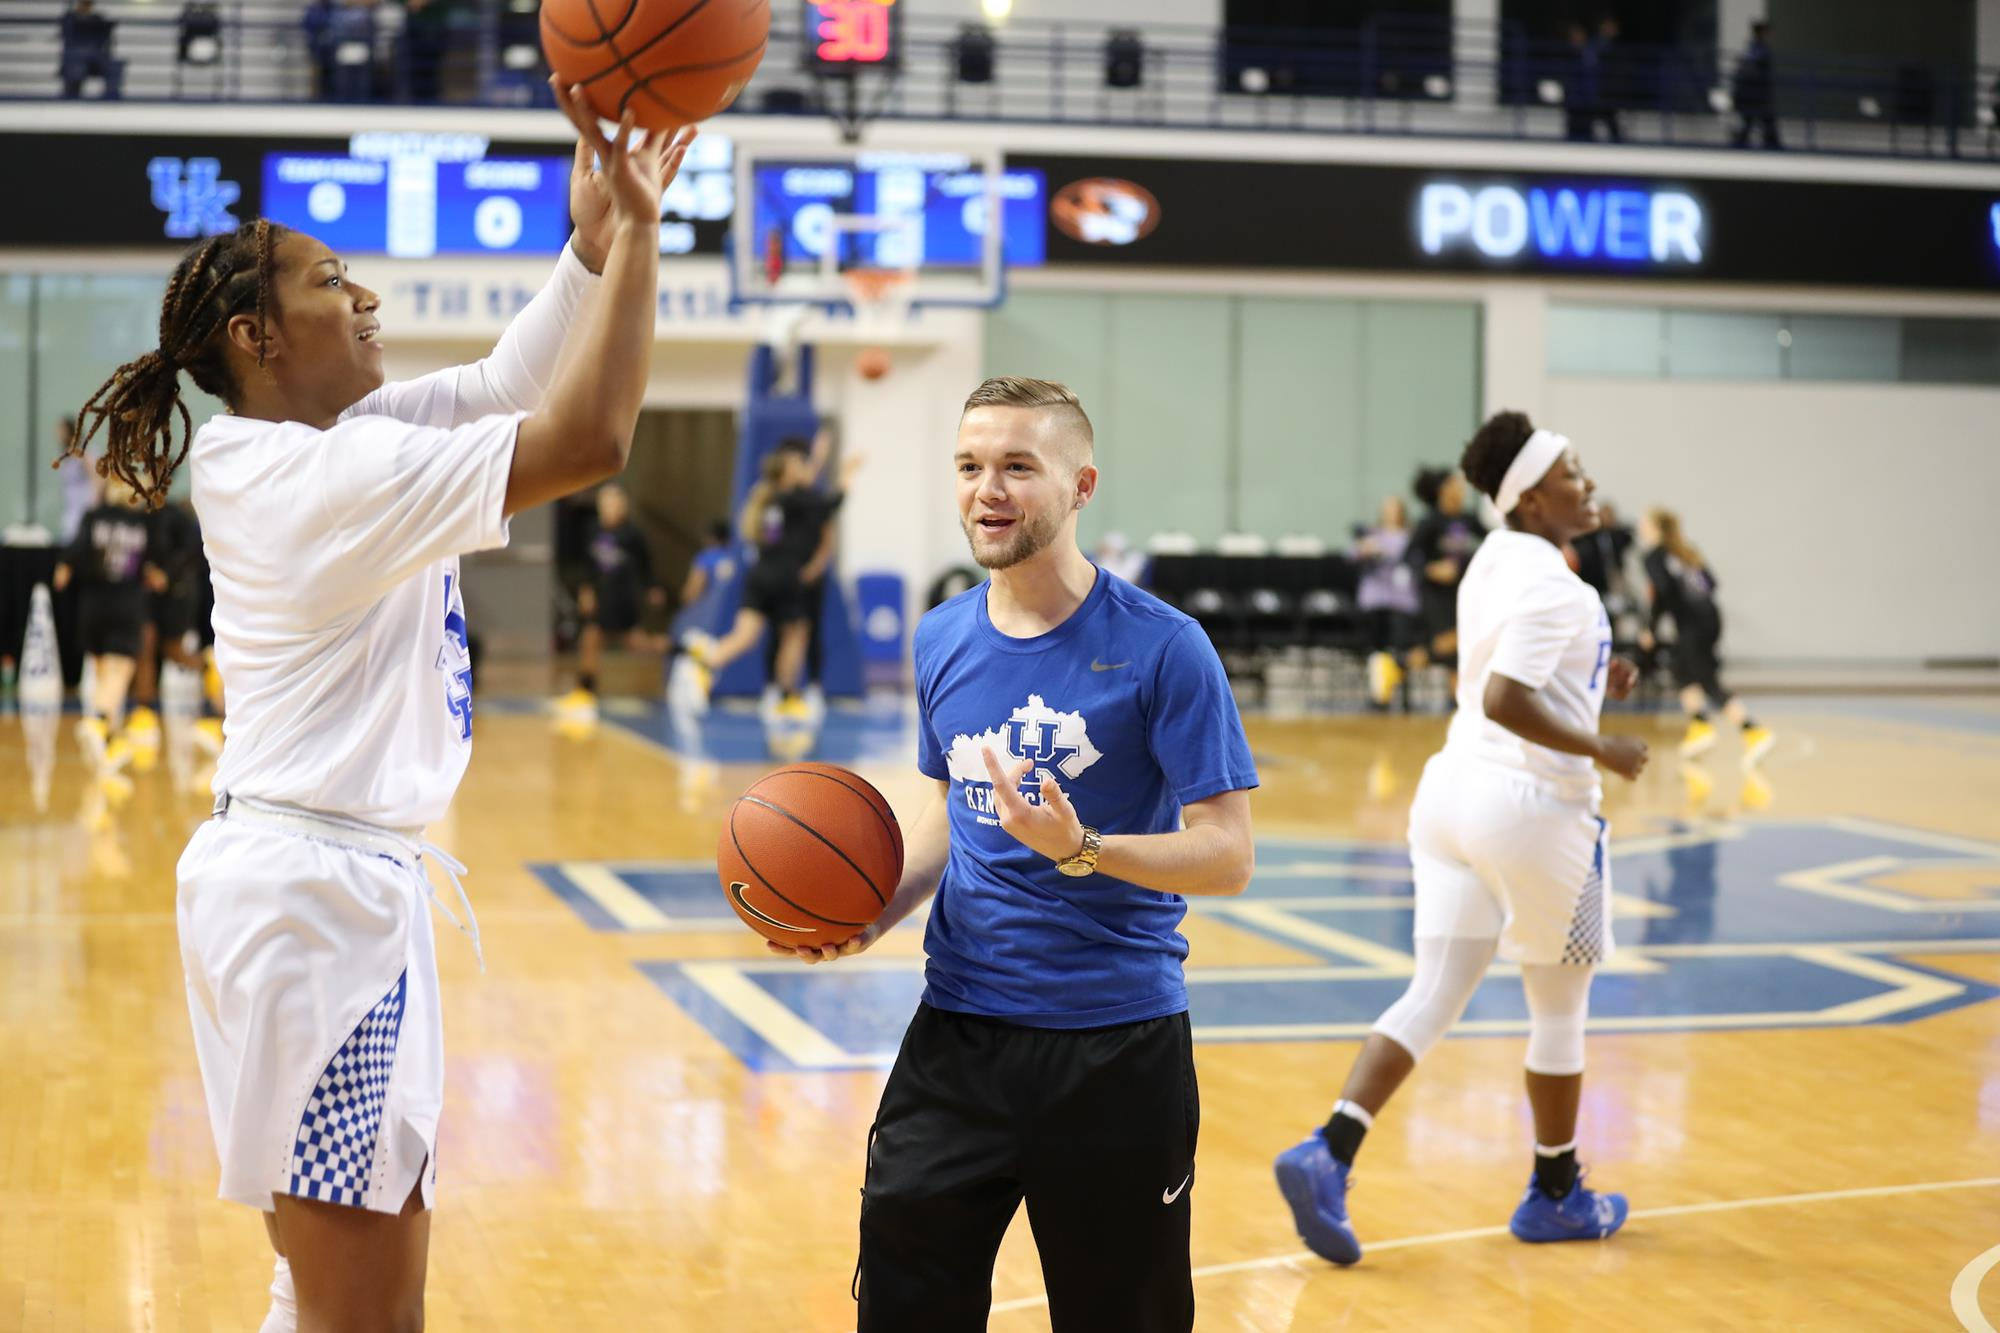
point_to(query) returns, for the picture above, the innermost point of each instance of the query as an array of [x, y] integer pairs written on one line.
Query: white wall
[[901, 515], [1845, 522], [1987, 25]]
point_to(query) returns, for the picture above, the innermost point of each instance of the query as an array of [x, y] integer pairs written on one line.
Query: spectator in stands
[[86, 49], [1439, 551], [1579, 85], [317, 20], [351, 34], [423, 47], [1755, 92], [1607, 80], [1388, 597]]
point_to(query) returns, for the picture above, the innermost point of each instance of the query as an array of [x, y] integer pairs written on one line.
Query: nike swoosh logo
[[1168, 1196], [1096, 665], [736, 892]]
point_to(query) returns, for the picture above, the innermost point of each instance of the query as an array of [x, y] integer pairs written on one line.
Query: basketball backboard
[[807, 220]]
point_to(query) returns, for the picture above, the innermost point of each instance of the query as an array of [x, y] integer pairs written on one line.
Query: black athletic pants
[[1095, 1129]]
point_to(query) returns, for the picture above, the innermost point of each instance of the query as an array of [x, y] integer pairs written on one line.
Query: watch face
[[1076, 869]]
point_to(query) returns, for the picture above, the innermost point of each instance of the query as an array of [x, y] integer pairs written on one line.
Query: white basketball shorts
[[1498, 857], [312, 981]]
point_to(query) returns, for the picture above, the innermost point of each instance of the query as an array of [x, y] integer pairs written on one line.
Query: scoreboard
[[943, 200], [411, 196], [414, 207]]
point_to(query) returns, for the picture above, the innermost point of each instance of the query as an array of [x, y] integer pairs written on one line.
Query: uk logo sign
[[193, 195]]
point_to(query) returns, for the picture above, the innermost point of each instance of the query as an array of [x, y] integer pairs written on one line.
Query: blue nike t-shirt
[[1127, 702]]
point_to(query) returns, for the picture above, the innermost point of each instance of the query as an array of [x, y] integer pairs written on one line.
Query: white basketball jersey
[[339, 623], [1524, 614]]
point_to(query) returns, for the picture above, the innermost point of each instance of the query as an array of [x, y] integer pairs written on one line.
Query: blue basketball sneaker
[[1314, 1183], [1580, 1214]]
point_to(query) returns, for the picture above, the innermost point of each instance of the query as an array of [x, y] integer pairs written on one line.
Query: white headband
[[1537, 456]]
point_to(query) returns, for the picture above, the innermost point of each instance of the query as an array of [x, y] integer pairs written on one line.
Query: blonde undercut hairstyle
[[1019, 391]]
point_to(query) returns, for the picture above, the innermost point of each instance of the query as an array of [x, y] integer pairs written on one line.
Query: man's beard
[[1027, 540]]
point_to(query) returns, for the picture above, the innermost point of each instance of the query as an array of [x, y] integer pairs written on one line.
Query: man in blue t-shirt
[[1092, 771]]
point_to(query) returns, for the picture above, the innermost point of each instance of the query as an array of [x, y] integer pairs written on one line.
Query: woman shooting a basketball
[[334, 509]]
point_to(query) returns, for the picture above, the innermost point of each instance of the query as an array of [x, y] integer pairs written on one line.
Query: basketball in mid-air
[[671, 62], [810, 855]]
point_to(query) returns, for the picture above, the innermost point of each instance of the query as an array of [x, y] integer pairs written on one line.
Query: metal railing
[[1392, 75]]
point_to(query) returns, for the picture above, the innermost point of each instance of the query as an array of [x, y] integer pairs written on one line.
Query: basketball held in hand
[[810, 855], [670, 62]]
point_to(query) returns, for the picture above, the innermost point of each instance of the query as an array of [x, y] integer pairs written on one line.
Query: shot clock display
[[846, 35]]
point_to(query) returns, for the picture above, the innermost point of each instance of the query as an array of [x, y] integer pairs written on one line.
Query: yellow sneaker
[[1756, 793], [93, 735], [117, 754], [1757, 742], [789, 744], [577, 708], [1698, 786], [142, 734], [689, 681], [1700, 739], [1384, 675], [117, 788], [793, 708]]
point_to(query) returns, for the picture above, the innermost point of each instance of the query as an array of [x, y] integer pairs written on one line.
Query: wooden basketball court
[[1795, 1061]]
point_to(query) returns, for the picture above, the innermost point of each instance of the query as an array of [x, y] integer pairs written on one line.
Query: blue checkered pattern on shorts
[[1586, 928], [334, 1152]]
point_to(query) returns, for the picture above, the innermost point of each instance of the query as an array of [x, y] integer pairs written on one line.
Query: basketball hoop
[[877, 293], [880, 298]]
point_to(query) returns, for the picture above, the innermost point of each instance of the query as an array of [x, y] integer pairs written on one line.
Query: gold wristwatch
[[1085, 861]]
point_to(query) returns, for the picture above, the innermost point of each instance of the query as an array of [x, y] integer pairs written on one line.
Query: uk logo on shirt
[[1603, 649], [1059, 742], [455, 660]]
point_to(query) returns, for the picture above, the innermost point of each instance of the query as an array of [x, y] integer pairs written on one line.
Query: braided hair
[[224, 276]]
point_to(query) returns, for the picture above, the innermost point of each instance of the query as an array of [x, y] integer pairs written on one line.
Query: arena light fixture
[[996, 10]]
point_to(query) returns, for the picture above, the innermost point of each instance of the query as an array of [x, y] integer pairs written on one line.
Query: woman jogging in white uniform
[[334, 509], [1506, 842]]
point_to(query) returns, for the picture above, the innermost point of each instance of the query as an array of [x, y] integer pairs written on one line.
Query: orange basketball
[[673, 62], [810, 855]]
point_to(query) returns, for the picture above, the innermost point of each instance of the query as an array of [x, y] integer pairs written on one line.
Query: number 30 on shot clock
[[854, 34]]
